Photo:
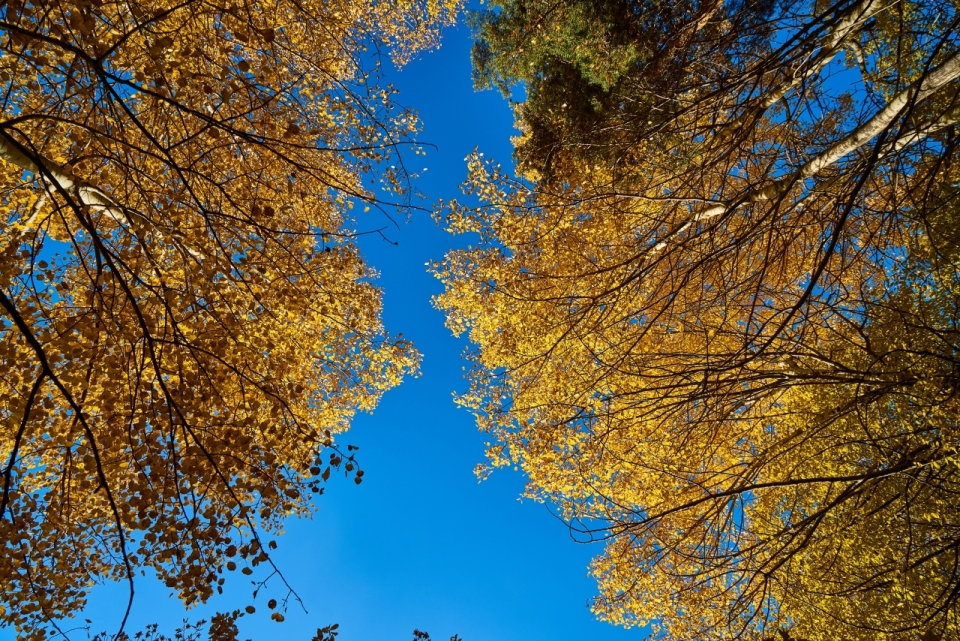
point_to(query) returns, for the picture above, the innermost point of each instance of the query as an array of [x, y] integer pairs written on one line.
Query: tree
[[185, 320], [716, 315]]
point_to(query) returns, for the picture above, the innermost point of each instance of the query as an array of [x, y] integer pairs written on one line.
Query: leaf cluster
[[716, 322], [186, 323]]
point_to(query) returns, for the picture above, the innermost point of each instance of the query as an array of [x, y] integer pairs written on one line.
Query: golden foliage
[[186, 322], [722, 331]]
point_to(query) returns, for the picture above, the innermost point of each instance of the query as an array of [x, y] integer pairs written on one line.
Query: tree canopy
[[185, 321], [716, 308]]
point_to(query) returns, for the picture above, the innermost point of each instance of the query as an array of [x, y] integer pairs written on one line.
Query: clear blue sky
[[420, 544]]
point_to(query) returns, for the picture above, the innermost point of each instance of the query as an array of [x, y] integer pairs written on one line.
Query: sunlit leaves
[[715, 312], [186, 322]]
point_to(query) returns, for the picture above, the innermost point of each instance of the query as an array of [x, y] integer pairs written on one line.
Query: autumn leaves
[[716, 303], [716, 307], [179, 345]]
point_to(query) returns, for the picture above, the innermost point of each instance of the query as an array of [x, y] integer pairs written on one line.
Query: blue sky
[[420, 544]]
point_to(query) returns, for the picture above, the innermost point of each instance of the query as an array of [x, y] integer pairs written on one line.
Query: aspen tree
[[185, 320], [716, 310]]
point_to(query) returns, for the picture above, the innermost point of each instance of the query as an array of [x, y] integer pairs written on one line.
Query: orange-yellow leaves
[[186, 323], [726, 352]]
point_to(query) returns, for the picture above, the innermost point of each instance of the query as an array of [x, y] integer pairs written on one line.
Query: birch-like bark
[[829, 49], [58, 178], [61, 177], [948, 71], [924, 88]]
